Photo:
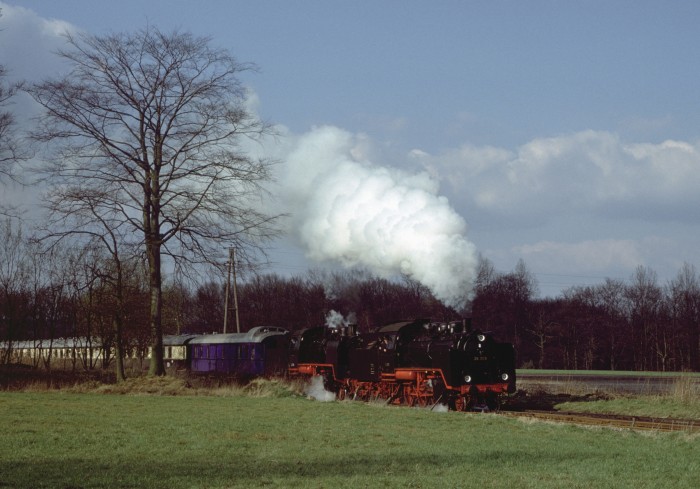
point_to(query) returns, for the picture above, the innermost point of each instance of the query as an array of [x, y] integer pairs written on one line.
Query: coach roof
[[255, 335]]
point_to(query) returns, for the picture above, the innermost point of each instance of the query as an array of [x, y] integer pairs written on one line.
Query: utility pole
[[235, 288], [228, 287], [231, 267]]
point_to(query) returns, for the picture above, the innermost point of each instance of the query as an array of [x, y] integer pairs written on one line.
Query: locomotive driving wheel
[[417, 395], [460, 402], [493, 401], [378, 391], [409, 395]]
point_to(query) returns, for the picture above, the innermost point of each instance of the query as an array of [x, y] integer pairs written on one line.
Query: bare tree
[[684, 303], [13, 282], [611, 298], [87, 215], [11, 151], [543, 329], [644, 296], [154, 121], [485, 274]]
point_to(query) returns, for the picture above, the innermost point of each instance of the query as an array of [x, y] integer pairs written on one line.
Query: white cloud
[[589, 171], [587, 203], [27, 46], [28, 42], [670, 167]]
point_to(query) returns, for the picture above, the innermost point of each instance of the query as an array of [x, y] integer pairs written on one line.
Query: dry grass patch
[[685, 390], [158, 386], [176, 386]]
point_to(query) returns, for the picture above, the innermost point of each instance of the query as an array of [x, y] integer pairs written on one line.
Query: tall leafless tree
[[154, 121]]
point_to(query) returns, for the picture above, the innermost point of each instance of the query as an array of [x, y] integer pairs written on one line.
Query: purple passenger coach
[[261, 351]]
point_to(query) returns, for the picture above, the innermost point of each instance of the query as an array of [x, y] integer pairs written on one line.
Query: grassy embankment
[[682, 402], [59, 439], [568, 394]]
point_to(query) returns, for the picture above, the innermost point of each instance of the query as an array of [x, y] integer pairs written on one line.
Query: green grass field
[[69, 440]]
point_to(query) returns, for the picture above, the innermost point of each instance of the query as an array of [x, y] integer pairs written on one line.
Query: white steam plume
[[335, 320], [316, 390], [348, 210]]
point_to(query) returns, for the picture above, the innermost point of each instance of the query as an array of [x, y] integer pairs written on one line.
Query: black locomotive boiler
[[410, 362]]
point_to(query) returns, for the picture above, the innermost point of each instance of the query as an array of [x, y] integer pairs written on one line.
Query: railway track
[[612, 421]]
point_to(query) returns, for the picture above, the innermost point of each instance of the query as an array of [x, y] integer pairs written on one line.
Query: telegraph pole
[[231, 267], [235, 288]]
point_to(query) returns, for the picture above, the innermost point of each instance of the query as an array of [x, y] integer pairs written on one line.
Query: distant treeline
[[616, 325], [635, 325]]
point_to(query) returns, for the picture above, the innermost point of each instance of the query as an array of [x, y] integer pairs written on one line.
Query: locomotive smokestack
[[467, 324]]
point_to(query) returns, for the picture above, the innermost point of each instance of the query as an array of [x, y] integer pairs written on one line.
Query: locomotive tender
[[410, 362]]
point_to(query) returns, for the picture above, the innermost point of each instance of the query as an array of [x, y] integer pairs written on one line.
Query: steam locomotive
[[411, 362]]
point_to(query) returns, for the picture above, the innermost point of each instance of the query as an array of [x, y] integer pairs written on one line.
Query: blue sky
[[563, 133]]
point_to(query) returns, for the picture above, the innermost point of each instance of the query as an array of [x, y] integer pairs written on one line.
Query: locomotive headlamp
[[505, 376], [467, 378], [481, 338]]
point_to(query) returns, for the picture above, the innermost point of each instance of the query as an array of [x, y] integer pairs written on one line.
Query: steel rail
[[612, 421]]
